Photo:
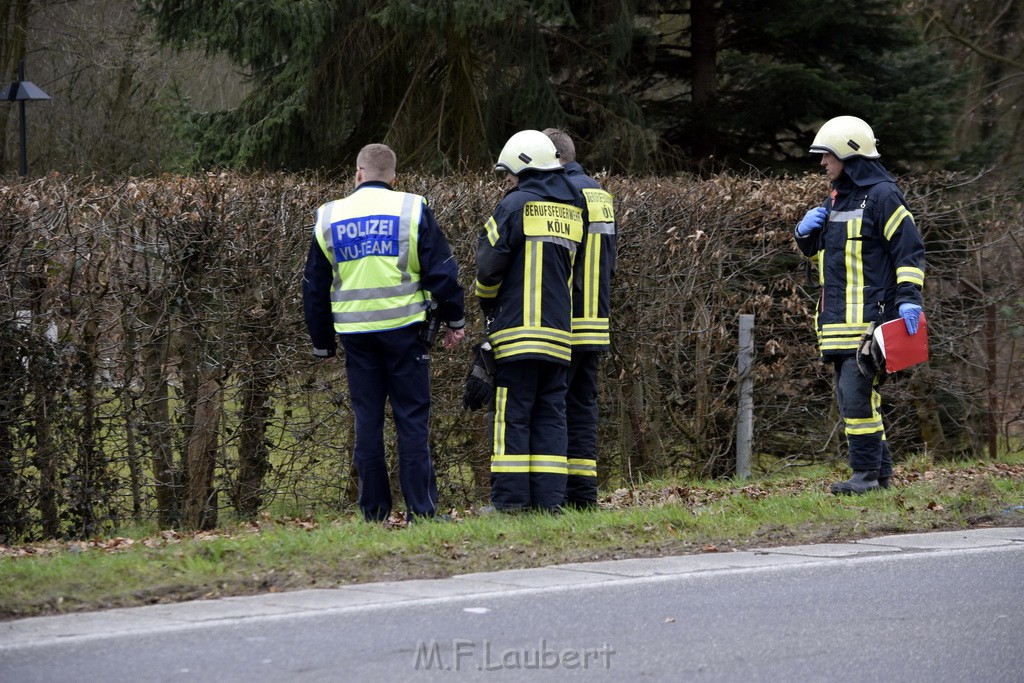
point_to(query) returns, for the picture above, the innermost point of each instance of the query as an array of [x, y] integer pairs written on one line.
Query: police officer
[[524, 271], [591, 303], [870, 259], [377, 261]]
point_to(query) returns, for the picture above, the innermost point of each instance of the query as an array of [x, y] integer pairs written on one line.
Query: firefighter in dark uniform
[[524, 274], [591, 304], [870, 260], [377, 260]]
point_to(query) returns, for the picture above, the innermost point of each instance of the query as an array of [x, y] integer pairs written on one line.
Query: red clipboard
[[900, 348]]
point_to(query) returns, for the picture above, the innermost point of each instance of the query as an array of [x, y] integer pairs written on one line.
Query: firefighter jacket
[[375, 254], [524, 268], [869, 255], [595, 265]]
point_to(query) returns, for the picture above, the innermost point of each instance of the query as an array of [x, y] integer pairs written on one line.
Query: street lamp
[[23, 91]]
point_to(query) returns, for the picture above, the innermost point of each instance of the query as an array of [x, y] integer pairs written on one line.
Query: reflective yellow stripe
[[582, 467], [592, 277], [533, 278], [868, 425], [549, 464], [590, 331], [522, 340], [910, 274], [863, 425], [515, 333], [491, 228], [843, 329], [840, 336], [854, 273], [532, 346], [500, 406], [893, 224], [511, 463], [487, 291], [839, 345], [590, 324]]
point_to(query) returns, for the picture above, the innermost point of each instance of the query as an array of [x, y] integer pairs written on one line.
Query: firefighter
[[871, 262], [524, 273], [377, 262], [591, 303]]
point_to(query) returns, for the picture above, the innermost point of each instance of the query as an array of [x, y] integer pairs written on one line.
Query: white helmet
[[845, 137], [528, 150]]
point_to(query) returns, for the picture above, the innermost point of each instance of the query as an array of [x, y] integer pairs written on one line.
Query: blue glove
[[911, 314], [813, 220]]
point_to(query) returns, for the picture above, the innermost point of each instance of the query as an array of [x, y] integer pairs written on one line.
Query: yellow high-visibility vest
[[371, 239]]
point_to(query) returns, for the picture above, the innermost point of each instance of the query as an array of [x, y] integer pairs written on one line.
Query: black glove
[[479, 391], [870, 360]]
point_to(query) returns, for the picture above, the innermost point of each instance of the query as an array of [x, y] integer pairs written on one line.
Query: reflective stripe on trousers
[[528, 462], [860, 405]]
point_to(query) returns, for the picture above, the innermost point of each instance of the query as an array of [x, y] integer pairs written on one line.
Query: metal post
[[22, 91], [24, 144], [745, 411], [21, 107]]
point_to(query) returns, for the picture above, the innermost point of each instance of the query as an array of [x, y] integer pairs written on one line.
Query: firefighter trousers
[[528, 461], [581, 418], [860, 407]]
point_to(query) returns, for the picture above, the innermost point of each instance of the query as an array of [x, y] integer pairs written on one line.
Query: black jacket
[[869, 254], [595, 266], [524, 268]]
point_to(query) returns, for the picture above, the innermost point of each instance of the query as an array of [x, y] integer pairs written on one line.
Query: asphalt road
[[922, 607]]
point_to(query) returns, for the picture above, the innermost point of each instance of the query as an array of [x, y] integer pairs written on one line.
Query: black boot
[[862, 481], [883, 482]]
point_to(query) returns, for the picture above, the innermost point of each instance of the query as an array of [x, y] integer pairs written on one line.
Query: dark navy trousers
[[391, 366], [581, 420], [528, 462], [860, 406]]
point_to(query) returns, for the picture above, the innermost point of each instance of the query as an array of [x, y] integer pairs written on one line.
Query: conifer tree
[[444, 82], [643, 85]]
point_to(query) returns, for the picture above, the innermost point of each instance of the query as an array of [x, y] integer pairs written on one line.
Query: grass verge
[[657, 519]]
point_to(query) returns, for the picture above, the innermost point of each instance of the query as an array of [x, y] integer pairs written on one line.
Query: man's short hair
[[377, 161], [563, 144]]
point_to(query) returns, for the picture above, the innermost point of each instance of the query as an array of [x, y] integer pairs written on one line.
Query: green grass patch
[[661, 518]]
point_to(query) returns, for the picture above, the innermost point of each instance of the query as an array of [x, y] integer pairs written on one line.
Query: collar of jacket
[[551, 184], [861, 172], [574, 167], [373, 183]]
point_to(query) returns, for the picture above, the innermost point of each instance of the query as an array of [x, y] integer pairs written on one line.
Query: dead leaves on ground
[[695, 498]]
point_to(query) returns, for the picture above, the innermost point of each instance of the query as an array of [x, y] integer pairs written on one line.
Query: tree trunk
[[928, 409], [158, 412], [131, 410], [89, 462], [10, 399], [45, 457], [704, 50], [253, 456], [199, 504], [14, 14]]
